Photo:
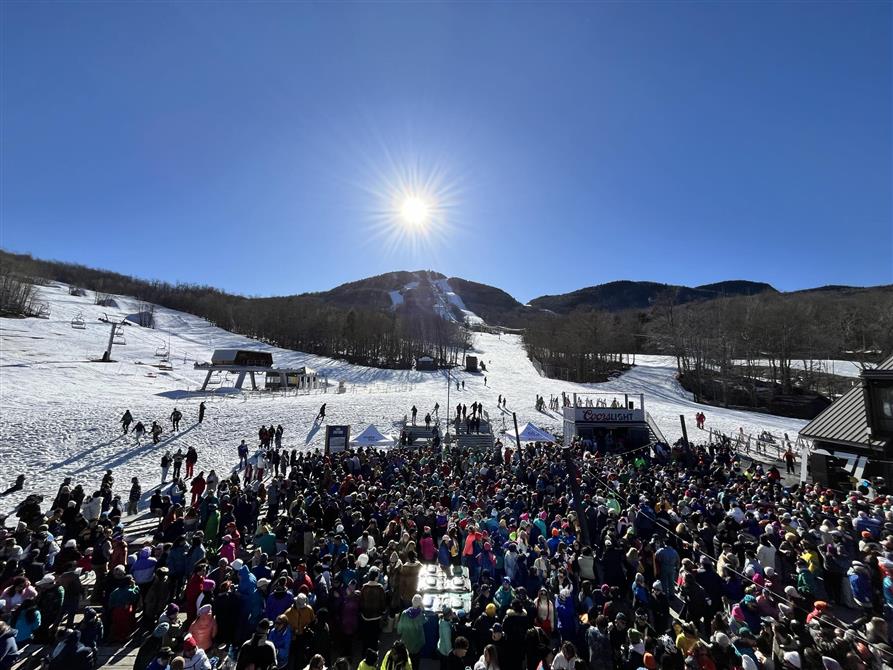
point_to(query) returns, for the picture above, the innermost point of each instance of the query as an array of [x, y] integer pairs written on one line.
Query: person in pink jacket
[[204, 628], [228, 549], [426, 546]]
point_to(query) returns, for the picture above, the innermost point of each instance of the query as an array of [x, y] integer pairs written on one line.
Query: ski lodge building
[[247, 363], [853, 438], [612, 422]]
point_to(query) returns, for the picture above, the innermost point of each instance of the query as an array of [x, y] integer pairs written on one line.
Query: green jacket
[[411, 630]]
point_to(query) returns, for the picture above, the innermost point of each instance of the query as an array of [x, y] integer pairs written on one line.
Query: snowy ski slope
[[59, 413]]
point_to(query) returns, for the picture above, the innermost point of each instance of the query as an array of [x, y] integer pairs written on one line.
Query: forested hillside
[[361, 335]]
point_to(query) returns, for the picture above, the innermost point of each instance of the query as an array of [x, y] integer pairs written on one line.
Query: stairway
[[479, 440], [654, 431]]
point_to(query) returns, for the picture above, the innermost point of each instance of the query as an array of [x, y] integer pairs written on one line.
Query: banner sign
[[607, 415], [337, 438]]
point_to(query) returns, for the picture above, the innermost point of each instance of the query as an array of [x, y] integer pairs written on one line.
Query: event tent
[[533, 434], [372, 437]]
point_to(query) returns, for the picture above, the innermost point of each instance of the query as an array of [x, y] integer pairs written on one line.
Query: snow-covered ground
[[827, 366], [448, 295], [59, 413]]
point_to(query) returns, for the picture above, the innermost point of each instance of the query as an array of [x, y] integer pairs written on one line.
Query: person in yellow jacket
[[370, 660], [397, 658], [300, 614]]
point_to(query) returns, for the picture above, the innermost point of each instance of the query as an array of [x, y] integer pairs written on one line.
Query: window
[[886, 403]]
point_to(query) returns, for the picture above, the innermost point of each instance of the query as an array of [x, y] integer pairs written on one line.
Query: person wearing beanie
[[194, 657], [410, 628]]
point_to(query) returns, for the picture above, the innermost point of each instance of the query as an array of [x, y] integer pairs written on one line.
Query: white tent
[[372, 437], [533, 434]]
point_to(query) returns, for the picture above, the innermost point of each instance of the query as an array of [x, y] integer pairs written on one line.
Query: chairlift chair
[[162, 352], [78, 322], [119, 336]]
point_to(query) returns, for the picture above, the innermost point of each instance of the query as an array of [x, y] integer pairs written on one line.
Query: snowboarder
[[178, 463], [191, 460], [243, 455], [201, 411], [413, 411], [126, 420], [156, 432], [139, 430], [136, 493], [165, 465], [321, 416], [176, 415]]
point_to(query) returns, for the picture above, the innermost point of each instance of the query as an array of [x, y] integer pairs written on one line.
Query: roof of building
[[845, 421]]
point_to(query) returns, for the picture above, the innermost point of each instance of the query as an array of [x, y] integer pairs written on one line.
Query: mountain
[[383, 291], [620, 295], [492, 304]]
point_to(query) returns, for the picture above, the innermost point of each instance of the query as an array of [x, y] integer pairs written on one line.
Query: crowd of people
[[685, 558]]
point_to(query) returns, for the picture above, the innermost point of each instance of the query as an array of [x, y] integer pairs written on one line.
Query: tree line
[[361, 336], [742, 350]]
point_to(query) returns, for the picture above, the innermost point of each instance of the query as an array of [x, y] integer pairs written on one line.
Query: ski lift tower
[[115, 335]]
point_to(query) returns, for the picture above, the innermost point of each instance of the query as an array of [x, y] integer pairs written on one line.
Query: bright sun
[[414, 211]]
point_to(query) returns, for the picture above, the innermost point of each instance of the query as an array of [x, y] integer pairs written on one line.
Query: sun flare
[[414, 211]]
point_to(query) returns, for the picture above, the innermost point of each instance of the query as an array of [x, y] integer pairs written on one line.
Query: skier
[[126, 420], [136, 493], [414, 411], [499, 400], [322, 414], [485, 380], [243, 455], [156, 432], [176, 415], [165, 465], [201, 411], [191, 460], [463, 384], [437, 409], [139, 430], [178, 463], [457, 384]]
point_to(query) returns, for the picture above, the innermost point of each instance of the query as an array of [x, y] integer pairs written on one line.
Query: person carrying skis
[[126, 420]]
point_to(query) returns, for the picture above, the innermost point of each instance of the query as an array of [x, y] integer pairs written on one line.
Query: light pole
[[449, 409]]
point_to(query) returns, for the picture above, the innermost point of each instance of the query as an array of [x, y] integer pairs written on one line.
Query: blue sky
[[259, 147]]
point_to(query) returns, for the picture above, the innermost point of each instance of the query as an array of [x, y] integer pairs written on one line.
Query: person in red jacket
[[198, 487]]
